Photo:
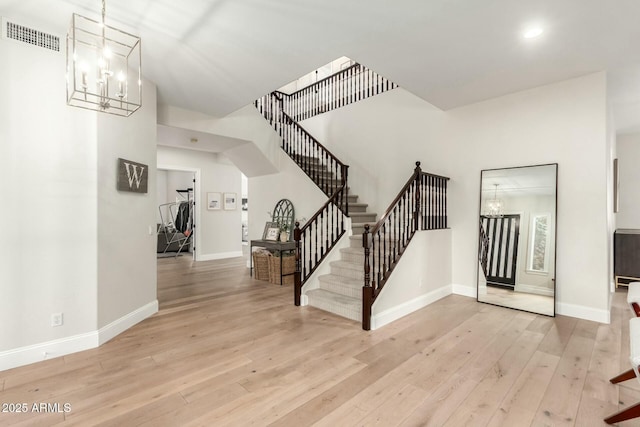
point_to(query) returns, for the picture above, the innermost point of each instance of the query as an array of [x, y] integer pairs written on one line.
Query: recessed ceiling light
[[532, 33]]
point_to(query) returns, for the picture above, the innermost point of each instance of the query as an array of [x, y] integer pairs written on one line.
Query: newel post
[[346, 189], [367, 289], [418, 195], [297, 277]]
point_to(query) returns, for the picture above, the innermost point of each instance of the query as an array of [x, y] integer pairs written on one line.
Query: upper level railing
[[420, 205], [325, 169], [347, 86]]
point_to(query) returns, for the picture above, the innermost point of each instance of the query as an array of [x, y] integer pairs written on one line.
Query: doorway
[[177, 216]]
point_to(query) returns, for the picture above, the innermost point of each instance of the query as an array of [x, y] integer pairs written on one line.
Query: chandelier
[[104, 67], [494, 207]]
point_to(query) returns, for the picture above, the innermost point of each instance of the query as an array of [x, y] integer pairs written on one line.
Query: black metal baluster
[[316, 241], [446, 215]]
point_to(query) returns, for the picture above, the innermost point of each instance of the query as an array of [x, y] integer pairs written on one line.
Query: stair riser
[[359, 259], [342, 289], [362, 218], [357, 228], [348, 273], [356, 242], [350, 312], [356, 209]]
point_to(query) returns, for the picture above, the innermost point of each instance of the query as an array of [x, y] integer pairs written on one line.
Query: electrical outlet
[[56, 319]]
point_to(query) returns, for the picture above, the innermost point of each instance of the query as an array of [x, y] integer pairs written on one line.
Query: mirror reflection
[[517, 238]]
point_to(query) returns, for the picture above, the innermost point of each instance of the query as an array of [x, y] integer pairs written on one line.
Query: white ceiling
[[192, 140], [218, 56]]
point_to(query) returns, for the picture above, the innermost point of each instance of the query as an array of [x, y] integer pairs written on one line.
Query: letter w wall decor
[[132, 176]]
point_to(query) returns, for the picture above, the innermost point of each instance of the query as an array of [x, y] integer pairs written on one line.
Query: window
[[539, 230]]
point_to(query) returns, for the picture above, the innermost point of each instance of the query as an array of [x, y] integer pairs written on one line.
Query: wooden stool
[[634, 352]]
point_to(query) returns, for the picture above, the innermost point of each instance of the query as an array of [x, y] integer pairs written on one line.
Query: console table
[[271, 245], [626, 256]]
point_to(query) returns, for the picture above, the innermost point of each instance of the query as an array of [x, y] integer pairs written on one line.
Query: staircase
[[355, 280], [340, 292]]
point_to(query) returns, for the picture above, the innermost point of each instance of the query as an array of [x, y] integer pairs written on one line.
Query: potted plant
[[284, 232]]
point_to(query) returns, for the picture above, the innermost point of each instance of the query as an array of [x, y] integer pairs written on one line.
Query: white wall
[[255, 159], [290, 183], [126, 221], [48, 174], [422, 277], [178, 180], [219, 233], [563, 123], [69, 228], [628, 149]]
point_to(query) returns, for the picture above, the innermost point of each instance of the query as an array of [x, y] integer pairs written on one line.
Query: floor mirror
[[517, 238]]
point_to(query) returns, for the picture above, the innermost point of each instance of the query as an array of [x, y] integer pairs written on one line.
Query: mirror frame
[[555, 240]]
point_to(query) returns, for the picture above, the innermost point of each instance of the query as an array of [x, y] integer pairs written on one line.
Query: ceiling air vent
[[11, 30]]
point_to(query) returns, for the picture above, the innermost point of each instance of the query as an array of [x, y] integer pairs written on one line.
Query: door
[[502, 252]]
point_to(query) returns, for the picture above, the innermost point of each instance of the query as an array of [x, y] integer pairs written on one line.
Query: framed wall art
[[230, 201], [214, 201]]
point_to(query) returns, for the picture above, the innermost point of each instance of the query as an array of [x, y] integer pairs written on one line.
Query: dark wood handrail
[[389, 209], [318, 143], [404, 189], [420, 205], [331, 200]]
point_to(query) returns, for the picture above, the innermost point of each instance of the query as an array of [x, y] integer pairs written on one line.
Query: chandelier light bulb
[[104, 63]]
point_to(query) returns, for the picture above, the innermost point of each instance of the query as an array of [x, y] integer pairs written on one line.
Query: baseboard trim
[[465, 291], [120, 325], [221, 255], [582, 312], [395, 313], [56, 348], [47, 350]]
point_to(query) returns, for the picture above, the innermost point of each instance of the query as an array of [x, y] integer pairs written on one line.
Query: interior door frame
[[197, 242]]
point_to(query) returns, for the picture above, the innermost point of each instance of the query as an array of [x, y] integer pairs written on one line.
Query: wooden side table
[[271, 245]]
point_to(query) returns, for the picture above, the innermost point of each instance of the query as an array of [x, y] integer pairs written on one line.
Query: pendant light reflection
[[494, 207]]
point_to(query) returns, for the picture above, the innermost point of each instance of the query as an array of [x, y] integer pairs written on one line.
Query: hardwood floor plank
[[215, 398], [147, 412], [228, 350], [484, 400], [562, 398], [523, 398], [451, 383], [393, 410], [558, 335]]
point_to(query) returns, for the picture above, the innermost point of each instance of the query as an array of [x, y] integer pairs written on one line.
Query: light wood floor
[[228, 350], [518, 300]]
